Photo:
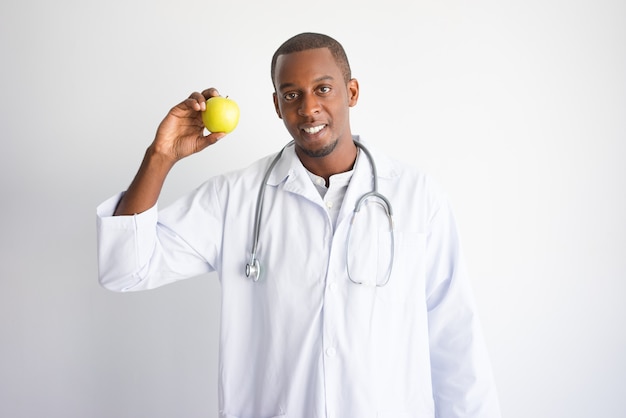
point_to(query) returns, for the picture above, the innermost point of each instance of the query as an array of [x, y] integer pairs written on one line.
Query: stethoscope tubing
[[253, 268]]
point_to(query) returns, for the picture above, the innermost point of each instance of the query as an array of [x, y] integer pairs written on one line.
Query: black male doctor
[[363, 319]]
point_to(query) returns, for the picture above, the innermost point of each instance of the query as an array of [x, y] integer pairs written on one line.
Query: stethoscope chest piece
[[253, 269]]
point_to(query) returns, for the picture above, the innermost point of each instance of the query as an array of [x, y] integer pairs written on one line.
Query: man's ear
[[353, 92], [276, 105]]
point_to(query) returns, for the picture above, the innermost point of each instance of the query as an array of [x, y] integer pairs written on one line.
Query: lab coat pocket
[[408, 271]]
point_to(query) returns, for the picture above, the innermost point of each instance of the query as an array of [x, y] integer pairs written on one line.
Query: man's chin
[[319, 152]]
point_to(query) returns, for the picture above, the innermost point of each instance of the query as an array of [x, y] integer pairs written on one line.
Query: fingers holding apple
[[181, 132], [221, 114]]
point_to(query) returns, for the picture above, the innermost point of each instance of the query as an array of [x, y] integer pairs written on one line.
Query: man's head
[[313, 94], [308, 40]]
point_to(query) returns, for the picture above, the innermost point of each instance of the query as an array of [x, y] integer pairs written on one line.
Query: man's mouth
[[314, 129]]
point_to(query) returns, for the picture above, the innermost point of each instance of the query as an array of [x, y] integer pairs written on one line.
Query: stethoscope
[[253, 268]]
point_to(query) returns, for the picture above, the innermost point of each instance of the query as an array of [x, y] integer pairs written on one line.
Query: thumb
[[210, 139]]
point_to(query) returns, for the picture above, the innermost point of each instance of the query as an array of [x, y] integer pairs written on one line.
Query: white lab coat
[[305, 341]]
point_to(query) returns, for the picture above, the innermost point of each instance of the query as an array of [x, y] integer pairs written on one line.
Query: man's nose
[[309, 105]]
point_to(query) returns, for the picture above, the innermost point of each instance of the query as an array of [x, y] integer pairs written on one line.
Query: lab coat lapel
[[290, 174], [360, 183]]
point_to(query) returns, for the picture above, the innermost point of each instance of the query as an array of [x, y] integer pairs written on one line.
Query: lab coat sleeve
[[463, 384], [140, 252]]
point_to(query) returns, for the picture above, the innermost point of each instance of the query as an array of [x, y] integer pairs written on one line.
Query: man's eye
[[324, 89], [290, 96]]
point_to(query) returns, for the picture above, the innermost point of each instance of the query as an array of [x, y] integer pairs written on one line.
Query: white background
[[517, 108]]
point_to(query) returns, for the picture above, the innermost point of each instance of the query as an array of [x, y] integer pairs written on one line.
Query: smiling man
[[332, 317], [313, 96]]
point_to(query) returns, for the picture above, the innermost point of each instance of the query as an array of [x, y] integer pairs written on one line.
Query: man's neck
[[340, 160]]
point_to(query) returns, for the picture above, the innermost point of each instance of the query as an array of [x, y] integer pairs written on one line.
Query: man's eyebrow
[[317, 80]]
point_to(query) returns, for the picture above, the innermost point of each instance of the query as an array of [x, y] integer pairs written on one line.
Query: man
[[345, 320]]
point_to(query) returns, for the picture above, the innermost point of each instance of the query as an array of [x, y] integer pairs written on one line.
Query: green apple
[[221, 114]]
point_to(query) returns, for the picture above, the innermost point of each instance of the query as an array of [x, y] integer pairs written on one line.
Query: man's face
[[313, 100]]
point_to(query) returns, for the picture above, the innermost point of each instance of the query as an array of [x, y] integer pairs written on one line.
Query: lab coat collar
[[384, 165], [294, 178], [289, 169]]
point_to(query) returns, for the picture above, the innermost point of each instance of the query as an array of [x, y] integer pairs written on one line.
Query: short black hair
[[308, 40]]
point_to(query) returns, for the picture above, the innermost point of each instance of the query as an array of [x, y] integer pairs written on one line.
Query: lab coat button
[[332, 287], [331, 352], [329, 204]]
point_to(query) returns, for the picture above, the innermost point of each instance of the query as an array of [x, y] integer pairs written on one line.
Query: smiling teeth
[[314, 129]]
